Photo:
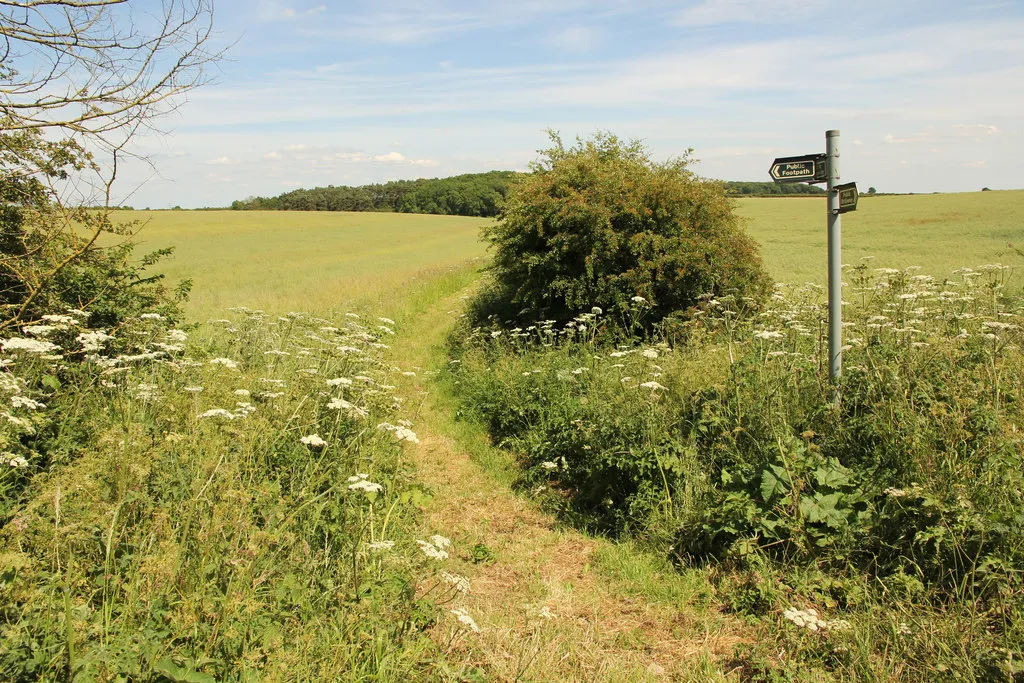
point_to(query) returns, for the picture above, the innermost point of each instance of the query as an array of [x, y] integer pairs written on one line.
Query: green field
[[940, 233], [319, 261], [279, 261]]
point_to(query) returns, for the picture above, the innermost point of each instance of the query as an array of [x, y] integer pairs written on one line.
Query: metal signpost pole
[[835, 266]]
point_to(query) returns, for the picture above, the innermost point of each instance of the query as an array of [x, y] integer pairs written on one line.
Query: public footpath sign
[[811, 168], [824, 168]]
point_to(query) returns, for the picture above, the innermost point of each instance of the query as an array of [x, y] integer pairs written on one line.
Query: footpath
[[550, 603]]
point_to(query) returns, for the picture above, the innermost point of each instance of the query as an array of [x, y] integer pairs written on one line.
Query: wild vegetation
[[868, 529], [244, 499]]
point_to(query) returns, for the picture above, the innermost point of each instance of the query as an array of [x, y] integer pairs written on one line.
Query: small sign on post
[[824, 168], [847, 197]]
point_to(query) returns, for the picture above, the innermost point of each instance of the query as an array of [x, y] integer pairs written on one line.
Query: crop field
[[939, 233], [319, 260], [310, 260]]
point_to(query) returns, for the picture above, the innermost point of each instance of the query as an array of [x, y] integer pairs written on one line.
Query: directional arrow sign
[[847, 197], [810, 168]]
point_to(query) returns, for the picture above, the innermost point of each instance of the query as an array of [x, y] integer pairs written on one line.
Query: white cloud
[[973, 132], [712, 12], [296, 148], [220, 161], [391, 157], [576, 39], [272, 156]]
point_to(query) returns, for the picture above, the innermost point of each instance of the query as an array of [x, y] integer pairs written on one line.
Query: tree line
[[470, 194]]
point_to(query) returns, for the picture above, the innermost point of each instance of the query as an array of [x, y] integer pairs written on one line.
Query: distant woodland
[[472, 194]]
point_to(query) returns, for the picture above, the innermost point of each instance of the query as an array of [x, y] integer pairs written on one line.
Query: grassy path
[[552, 604]]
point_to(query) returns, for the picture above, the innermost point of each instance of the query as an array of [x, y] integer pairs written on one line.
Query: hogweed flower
[[461, 583], [464, 619], [313, 441], [28, 345], [364, 485], [218, 412], [434, 552]]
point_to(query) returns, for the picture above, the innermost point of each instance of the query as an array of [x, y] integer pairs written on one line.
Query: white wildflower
[[40, 330], [313, 441], [432, 551], [654, 386], [244, 409], [461, 583], [177, 335], [226, 362], [218, 412], [28, 345], [339, 382], [364, 485], [464, 619], [242, 392], [16, 461], [151, 316], [26, 402], [63, 319], [386, 321], [638, 299], [649, 353], [380, 545]]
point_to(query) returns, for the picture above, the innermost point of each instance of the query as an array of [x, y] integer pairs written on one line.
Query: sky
[[927, 95]]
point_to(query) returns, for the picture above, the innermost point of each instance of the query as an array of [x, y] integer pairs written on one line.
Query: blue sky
[[928, 96]]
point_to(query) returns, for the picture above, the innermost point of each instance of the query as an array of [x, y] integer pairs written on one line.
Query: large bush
[[600, 223]]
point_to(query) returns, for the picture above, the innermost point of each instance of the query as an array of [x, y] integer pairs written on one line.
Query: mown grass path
[[552, 604]]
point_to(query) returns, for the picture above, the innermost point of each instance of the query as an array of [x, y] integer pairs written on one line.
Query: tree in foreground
[[601, 224], [78, 80]]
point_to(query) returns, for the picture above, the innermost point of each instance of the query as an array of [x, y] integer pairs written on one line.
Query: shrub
[[600, 223]]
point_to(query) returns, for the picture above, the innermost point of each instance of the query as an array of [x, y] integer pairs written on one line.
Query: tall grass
[[863, 537], [226, 504]]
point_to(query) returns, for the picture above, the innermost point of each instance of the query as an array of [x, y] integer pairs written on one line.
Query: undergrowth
[[225, 504], [869, 529]]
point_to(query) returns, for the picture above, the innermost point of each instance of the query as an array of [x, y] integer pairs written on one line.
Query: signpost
[[824, 168], [810, 168]]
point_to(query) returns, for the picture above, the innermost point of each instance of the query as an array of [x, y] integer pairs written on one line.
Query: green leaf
[[832, 475], [51, 382], [771, 486], [822, 509], [181, 674]]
